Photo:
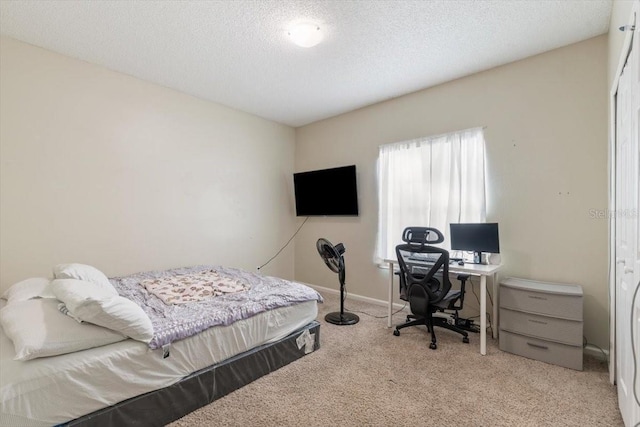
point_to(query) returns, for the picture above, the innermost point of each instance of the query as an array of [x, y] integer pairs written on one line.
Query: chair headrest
[[422, 235]]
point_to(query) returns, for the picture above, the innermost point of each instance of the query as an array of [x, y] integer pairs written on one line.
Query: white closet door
[[635, 218], [628, 236]]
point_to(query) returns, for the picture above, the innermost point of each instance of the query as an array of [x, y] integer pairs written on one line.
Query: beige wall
[[546, 134], [102, 168]]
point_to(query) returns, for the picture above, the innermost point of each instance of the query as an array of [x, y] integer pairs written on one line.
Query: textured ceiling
[[237, 53]]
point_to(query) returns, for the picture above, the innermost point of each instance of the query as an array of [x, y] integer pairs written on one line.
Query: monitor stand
[[477, 257]]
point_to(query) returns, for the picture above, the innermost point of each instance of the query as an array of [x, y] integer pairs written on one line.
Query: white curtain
[[430, 182]]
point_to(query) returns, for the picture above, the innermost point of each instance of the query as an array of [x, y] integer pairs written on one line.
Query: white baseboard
[[356, 297], [596, 352]]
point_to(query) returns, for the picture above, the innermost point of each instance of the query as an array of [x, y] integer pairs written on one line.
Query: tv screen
[[475, 237], [326, 192]]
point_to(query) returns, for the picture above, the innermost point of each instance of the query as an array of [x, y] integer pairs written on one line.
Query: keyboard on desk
[[421, 263], [430, 258], [415, 269]]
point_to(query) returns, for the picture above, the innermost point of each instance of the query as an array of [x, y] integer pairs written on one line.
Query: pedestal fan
[[332, 256]]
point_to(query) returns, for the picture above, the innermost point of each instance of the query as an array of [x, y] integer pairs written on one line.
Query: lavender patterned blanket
[[178, 321], [185, 288]]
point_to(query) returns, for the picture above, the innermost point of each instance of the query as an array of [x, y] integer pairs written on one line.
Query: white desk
[[481, 270]]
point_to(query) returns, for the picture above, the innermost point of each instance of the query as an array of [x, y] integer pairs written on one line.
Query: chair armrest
[[463, 280]]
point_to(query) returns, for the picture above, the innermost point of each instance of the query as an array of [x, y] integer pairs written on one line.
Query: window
[[431, 181]]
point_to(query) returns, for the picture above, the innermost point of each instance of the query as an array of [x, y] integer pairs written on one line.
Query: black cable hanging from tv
[[285, 245]]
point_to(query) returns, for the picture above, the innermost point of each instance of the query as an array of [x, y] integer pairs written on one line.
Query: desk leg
[[390, 314], [483, 315], [494, 319]]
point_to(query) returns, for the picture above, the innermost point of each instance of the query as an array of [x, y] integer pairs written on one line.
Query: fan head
[[331, 255]]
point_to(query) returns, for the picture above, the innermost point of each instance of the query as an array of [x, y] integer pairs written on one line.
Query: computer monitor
[[476, 238]]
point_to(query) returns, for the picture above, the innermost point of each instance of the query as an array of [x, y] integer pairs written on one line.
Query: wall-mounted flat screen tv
[[326, 192]]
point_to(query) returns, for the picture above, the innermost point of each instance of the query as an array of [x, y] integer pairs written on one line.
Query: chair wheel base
[[396, 332], [465, 340], [433, 346]]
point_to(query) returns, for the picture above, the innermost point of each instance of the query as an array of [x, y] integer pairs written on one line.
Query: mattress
[[32, 392]]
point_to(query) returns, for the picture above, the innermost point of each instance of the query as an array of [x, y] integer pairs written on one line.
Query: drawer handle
[[537, 321], [537, 297], [544, 347]]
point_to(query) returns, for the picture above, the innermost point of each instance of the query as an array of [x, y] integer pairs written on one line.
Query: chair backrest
[[428, 262], [422, 235]]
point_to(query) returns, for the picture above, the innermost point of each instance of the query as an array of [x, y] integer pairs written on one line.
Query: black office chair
[[424, 282]]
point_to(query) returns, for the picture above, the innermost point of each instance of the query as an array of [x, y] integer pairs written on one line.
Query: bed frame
[[160, 407]]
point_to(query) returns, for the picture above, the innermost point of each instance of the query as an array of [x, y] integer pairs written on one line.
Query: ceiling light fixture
[[305, 34]]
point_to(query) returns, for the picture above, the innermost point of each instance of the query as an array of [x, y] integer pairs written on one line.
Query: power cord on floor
[[374, 316], [490, 327], [488, 316], [369, 314], [585, 343]]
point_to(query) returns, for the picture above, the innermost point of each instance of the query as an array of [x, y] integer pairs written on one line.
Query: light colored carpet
[[362, 375]]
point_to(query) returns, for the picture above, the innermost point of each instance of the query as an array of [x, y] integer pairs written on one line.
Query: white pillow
[[35, 287], [89, 302], [83, 272], [119, 314], [38, 329], [74, 292]]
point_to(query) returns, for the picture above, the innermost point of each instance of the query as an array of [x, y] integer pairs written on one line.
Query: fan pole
[[342, 318]]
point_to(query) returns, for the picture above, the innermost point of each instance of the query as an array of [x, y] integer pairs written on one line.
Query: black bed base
[[160, 407]]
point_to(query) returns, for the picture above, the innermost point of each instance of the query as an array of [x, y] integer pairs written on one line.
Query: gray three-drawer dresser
[[542, 321]]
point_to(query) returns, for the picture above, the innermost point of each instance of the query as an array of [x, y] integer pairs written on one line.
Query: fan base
[[342, 318]]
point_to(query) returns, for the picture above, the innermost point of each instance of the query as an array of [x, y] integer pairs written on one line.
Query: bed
[[256, 330]]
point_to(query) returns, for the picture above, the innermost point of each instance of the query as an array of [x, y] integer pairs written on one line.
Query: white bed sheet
[[54, 390]]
